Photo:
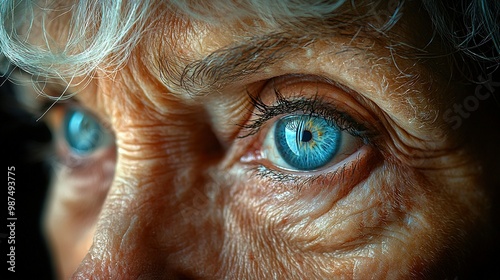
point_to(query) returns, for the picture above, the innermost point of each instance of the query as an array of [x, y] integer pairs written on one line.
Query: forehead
[[91, 36], [182, 48], [167, 50]]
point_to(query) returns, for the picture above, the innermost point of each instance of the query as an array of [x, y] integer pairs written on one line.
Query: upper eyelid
[[103, 123], [75, 103], [312, 105]]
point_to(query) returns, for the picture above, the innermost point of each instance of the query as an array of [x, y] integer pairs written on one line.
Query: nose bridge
[[126, 239], [143, 225]]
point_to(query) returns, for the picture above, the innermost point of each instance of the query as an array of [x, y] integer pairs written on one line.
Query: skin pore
[[189, 186]]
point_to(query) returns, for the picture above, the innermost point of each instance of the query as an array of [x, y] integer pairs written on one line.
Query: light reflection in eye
[[83, 133], [306, 143]]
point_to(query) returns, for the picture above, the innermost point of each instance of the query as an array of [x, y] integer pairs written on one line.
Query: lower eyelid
[[82, 189], [346, 160], [55, 119], [339, 179]]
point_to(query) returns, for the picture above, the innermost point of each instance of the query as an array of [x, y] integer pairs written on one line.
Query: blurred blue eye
[[83, 133], [304, 142]]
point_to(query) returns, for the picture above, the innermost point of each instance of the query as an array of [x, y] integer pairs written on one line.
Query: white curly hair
[[103, 32]]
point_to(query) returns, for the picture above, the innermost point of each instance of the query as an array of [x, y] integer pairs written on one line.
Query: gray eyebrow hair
[[235, 62], [238, 61]]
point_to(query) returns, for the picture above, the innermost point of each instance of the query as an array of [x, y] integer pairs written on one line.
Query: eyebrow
[[235, 62]]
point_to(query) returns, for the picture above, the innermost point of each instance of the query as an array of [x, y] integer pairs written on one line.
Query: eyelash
[[65, 157], [314, 106], [299, 182]]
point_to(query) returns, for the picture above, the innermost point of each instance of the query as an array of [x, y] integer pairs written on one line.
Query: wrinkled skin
[[180, 193]]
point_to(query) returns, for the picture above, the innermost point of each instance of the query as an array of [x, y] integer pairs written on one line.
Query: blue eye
[[83, 133], [306, 143]]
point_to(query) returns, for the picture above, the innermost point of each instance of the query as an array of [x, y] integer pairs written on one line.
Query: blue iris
[[82, 132], [306, 142]]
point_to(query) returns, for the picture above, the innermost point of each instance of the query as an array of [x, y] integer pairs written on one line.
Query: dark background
[[21, 137]]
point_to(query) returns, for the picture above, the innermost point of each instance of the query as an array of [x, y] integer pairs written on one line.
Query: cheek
[[159, 225], [394, 222]]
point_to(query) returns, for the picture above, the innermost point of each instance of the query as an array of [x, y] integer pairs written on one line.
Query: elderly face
[[249, 150]]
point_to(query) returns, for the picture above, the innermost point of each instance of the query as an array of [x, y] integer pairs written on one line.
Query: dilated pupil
[[306, 136]]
